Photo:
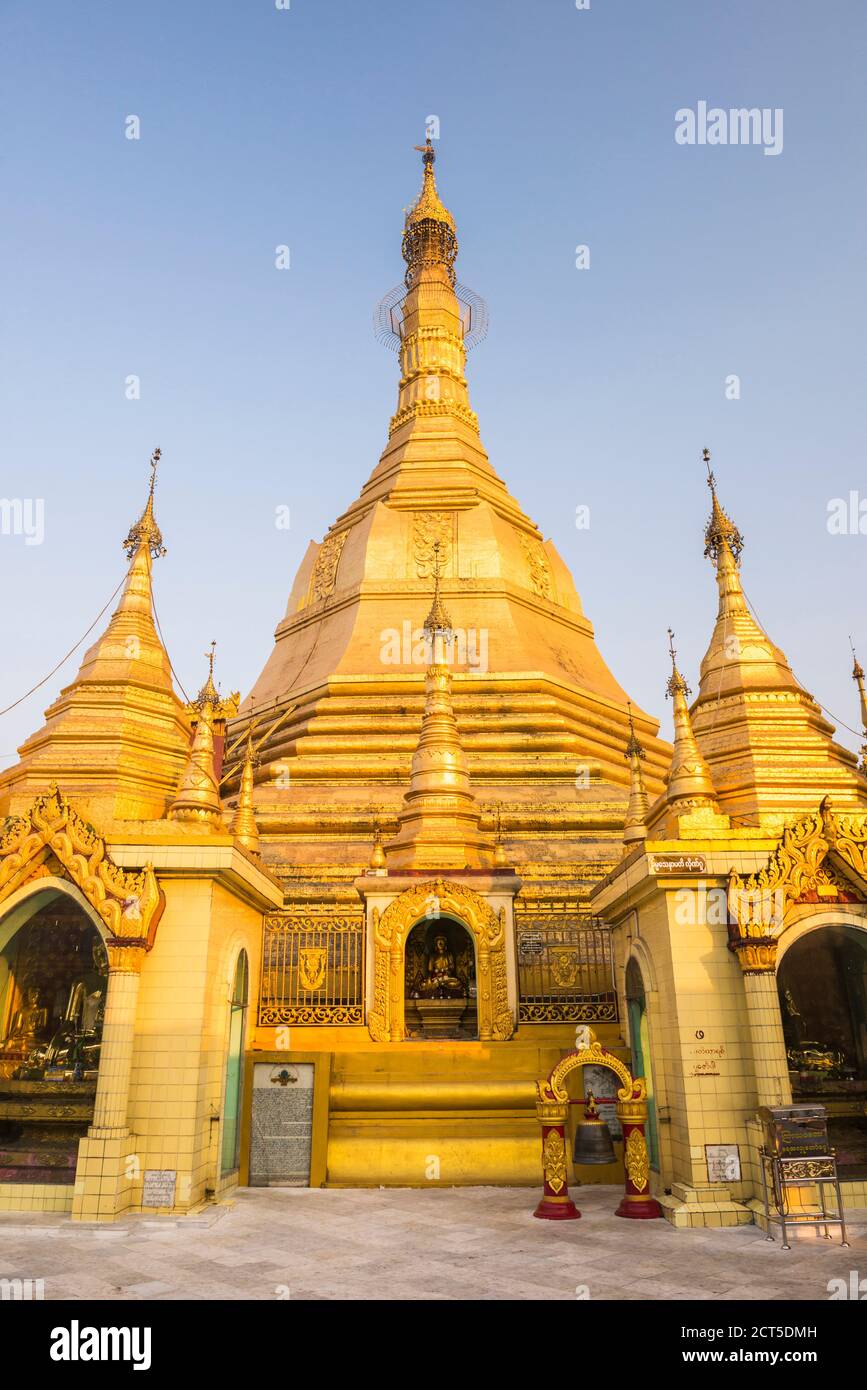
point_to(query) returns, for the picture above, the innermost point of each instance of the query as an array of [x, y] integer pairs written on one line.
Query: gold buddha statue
[[440, 980], [28, 1024]]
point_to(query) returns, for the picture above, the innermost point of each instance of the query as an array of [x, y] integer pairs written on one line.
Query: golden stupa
[[336, 711]]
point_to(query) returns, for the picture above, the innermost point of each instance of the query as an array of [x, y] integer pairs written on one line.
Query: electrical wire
[[64, 659]]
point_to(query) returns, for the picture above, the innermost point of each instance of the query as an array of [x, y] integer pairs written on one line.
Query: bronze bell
[[592, 1138]]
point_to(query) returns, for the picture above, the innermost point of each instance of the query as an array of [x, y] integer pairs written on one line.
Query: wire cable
[[64, 659]]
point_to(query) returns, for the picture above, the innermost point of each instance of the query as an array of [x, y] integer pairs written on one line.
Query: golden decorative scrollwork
[[553, 1087], [636, 1161], [799, 1168], [554, 1160], [324, 576], [439, 897], [759, 904], [129, 904], [428, 530], [538, 565]]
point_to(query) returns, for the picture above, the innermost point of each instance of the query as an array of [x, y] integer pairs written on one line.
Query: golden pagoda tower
[[117, 737], [339, 704], [770, 750]]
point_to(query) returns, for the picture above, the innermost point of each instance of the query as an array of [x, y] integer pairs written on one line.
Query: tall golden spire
[[765, 738], [198, 796], [116, 738], [438, 825], [244, 826], [689, 779], [635, 825]]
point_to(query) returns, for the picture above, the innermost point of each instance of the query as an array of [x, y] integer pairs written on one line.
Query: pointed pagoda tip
[[634, 748], [145, 533], [437, 620], [676, 683], [429, 237], [244, 826], [209, 695], [721, 536]]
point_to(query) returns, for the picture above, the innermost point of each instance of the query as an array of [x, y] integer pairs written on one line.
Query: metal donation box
[[796, 1157]]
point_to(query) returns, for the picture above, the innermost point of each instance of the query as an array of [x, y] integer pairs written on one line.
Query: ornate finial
[[675, 681], [438, 620], [720, 528], [857, 668], [145, 531], [633, 747], [429, 231], [208, 693], [427, 152]]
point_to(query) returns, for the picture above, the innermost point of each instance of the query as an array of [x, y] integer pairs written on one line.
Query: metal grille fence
[[312, 970], [565, 972]]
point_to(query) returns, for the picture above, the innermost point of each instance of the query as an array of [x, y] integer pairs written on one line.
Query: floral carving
[[129, 904]]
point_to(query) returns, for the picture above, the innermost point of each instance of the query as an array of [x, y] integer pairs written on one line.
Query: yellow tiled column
[[115, 1064], [106, 1171], [758, 961]]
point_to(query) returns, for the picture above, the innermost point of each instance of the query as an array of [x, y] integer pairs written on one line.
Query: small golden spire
[[244, 826], [689, 778], [145, 532], [635, 824], [198, 796], [437, 624]]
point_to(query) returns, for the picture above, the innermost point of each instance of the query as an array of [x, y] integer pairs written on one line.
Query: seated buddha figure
[[28, 1024], [440, 980]]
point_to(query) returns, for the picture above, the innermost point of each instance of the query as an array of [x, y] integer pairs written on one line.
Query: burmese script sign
[[678, 864], [703, 1059], [159, 1187]]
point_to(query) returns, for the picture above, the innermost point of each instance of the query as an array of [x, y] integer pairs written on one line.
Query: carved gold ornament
[[759, 905], [311, 967], [636, 1160], [537, 564], [554, 1160], [129, 904], [390, 930], [428, 530], [324, 576]]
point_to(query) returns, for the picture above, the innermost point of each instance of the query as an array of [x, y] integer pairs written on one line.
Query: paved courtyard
[[470, 1243]]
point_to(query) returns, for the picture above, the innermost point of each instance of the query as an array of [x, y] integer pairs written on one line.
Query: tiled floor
[[469, 1243]]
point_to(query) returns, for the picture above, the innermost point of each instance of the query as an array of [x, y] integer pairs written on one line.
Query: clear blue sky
[[259, 127]]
